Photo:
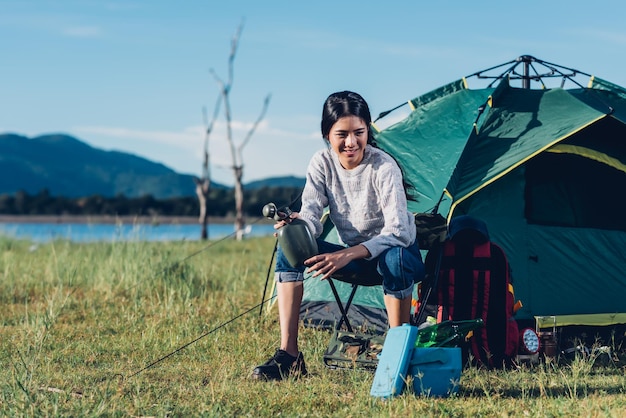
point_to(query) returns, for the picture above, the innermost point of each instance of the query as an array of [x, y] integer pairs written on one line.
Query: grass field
[[160, 329]]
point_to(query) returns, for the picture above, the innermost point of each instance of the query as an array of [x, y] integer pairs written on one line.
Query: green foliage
[[221, 202], [97, 330], [69, 167]]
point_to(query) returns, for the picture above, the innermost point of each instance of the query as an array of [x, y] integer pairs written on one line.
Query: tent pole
[[526, 78]]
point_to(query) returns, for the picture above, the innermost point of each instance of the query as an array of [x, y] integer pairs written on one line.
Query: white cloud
[[186, 138]]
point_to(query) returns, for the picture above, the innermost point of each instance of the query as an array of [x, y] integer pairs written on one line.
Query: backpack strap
[[465, 289], [481, 294]]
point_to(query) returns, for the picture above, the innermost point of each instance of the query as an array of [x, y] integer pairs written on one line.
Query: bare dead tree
[[203, 183], [237, 151]]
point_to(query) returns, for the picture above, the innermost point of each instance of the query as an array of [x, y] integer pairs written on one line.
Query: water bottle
[[446, 333], [295, 238]]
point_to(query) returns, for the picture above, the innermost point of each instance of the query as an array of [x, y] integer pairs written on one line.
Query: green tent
[[544, 168]]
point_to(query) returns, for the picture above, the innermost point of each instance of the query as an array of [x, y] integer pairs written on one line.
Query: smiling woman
[[363, 189]]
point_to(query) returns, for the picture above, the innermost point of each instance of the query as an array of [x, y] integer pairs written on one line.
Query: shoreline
[[130, 219]]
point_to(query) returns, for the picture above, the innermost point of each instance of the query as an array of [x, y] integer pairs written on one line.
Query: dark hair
[[348, 103], [345, 103]]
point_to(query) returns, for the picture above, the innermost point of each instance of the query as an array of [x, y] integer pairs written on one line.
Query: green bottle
[[446, 333], [295, 238]]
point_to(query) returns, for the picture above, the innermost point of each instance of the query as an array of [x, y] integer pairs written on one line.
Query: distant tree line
[[221, 202]]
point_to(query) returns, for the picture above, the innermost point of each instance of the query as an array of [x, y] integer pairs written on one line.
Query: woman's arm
[[398, 227]]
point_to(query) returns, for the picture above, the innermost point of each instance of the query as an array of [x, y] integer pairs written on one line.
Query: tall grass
[[81, 323]]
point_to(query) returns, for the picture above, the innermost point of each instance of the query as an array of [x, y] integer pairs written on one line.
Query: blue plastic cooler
[[435, 371]]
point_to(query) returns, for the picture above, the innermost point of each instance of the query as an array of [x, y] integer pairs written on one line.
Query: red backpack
[[474, 281]]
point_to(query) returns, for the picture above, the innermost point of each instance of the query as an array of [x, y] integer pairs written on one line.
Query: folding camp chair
[[352, 346], [355, 283], [349, 348]]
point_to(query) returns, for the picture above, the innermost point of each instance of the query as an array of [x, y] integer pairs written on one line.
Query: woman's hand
[[328, 263], [284, 222]]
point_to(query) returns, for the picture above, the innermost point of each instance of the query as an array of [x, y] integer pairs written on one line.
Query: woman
[[364, 190]]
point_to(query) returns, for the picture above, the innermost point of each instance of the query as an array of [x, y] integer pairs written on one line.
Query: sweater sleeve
[[398, 227]]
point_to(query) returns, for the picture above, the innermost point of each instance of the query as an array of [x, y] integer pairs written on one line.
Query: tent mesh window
[[574, 191]]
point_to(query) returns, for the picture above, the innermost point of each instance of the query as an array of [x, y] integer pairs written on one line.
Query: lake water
[[85, 232]]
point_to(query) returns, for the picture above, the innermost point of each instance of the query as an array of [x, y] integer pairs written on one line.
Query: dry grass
[[81, 322]]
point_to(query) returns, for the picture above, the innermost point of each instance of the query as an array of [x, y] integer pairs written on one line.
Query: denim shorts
[[396, 268]]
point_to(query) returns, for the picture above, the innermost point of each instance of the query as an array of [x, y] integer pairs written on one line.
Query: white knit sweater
[[367, 204]]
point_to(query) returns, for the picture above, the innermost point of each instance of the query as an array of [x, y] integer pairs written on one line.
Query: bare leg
[[398, 310], [289, 300]]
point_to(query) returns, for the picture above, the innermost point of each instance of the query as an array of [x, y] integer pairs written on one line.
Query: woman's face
[[348, 138]]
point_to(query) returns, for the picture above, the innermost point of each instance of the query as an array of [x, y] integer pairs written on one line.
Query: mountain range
[[66, 166]]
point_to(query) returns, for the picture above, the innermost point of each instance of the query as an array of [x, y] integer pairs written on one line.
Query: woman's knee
[[283, 265], [401, 268]]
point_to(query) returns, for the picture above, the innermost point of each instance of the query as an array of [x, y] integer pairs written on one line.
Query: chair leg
[[343, 309]]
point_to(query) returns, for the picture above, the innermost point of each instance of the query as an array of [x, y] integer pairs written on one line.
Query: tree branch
[[208, 128], [234, 44], [266, 103]]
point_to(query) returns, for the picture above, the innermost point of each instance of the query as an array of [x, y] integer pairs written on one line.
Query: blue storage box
[[435, 371], [393, 361]]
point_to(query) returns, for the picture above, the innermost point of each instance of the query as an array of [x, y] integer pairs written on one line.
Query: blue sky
[[134, 75]]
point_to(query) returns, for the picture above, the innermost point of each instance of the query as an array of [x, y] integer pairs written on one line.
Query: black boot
[[280, 366]]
